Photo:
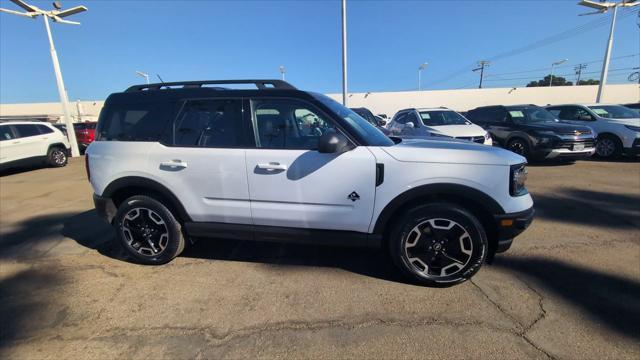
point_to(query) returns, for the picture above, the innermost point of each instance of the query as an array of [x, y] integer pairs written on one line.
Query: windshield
[[442, 117], [614, 112], [367, 131], [531, 115]]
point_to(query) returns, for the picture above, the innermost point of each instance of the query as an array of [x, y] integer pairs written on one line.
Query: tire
[[423, 249], [519, 146], [57, 156], [148, 230], [608, 147]]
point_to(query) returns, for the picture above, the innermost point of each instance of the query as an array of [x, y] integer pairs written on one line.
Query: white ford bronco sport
[[273, 163]]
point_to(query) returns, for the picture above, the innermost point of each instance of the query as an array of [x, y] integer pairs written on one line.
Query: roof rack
[[260, 84]]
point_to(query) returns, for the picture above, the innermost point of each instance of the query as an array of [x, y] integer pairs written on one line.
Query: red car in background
[[85, 133]]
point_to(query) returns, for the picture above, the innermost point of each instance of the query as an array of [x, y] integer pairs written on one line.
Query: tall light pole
[[56, 15], [344, 52], [282, 71], [603, 7], [420, 68], [144, 75], [553, 65]]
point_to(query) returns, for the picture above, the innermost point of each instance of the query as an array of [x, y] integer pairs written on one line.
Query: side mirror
[[332, 142], [410, 125], [382, 122]]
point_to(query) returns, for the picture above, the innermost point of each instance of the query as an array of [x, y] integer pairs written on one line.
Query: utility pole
[[420, 68], [481, 65], [344, 52], [578, 70], [57, 15]]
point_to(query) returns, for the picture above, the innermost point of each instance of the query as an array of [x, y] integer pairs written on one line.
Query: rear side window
[[44, 129], [210, 123], [135, 122], [5, 133], [26, 130]]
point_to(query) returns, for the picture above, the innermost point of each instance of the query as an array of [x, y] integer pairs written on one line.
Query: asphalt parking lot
[[568, 288]]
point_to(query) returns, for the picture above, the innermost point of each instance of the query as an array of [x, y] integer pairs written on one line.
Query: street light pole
[[344, 52], [144, 75], [607, 57], [603, 7], [57, 15], [554, 65], [420, 68], [282, 71]]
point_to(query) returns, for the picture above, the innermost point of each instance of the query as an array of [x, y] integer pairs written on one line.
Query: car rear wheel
[[57, 157], [438, 244], [148, 230], [608, 147]]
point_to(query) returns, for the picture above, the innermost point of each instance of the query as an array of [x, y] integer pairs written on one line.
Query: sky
[[387, 40]]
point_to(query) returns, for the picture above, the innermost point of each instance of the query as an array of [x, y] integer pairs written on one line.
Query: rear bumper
[[105, 207], [511, 225]]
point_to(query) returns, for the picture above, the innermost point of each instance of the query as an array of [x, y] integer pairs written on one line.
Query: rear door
[[30, 142], [291, 184], [202, 160]]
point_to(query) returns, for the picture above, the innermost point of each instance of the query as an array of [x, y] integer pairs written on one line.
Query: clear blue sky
[[388, 40]]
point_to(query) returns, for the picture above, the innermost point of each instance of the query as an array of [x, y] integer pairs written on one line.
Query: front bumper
[[105, 207], [634, 149], [570, 154], [511, 225]]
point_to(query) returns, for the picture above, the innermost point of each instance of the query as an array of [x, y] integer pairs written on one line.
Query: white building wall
[[390, 102]]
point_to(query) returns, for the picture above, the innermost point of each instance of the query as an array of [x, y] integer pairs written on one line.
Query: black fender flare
[[435, 190], [150, 185]]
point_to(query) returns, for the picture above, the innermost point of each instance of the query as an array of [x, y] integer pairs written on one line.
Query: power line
[[533, 78], [540, 43]]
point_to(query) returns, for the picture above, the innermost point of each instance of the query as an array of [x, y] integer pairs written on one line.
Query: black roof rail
[[260, 84]]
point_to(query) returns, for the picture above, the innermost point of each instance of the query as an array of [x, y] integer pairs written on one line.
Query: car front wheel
[[608, 147], [57, 157], [148, 230], [438, 244]]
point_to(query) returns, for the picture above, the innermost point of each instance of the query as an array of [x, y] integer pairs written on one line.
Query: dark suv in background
[[533, 132], [374, 120]]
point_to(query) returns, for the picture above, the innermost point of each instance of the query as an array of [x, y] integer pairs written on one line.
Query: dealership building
[[379, 102]]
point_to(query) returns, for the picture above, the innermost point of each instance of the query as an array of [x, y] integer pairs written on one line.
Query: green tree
[[589, 82], [557, 81]]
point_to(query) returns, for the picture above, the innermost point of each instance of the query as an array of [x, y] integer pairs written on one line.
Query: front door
[[291, 184]]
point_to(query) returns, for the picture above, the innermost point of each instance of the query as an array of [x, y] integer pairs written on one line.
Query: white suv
[[23, 142], [275, 163], [617, 127], [420, 123]]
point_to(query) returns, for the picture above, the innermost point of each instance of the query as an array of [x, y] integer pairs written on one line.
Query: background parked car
[[533, 132], [85, 133], [437, 122], [617, 127], [372, 119], [634, 106], [29, 142]]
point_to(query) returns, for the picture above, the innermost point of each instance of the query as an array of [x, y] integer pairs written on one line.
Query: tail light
[[86, 166]]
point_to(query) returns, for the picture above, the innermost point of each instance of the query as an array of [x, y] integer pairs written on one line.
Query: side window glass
[[5, 133], [25, 130], [411, 117], [44, 129], [134, 122], [210, 123], [402, 119], [288, 124], [557, 113]]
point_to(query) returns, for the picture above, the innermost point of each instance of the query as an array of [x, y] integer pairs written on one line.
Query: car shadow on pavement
[[609, 299], [588, 207], [23, 307]]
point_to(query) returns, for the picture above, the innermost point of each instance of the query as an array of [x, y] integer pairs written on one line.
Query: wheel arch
[[483, 206], [56, 145], [125, 187]]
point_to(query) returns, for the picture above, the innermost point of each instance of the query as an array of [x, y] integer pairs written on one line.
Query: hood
[[558, 127], [441, 150], [467, 130], [632, 122]]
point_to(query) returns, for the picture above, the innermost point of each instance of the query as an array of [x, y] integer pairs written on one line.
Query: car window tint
[[210, 123], [134, 122], [288, 124], [5, 133], [401, 119], [26, 130], [45, 129]]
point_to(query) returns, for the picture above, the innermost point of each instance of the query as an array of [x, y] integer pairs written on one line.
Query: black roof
[[260, 85]]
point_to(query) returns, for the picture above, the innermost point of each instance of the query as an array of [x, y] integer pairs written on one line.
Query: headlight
[[518, 179], [634, 128]]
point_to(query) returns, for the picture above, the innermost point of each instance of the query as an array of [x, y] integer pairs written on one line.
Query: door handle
[[173, 165], [272, 166]]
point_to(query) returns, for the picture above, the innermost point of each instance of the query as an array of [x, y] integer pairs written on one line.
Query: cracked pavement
[[568, 288]]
